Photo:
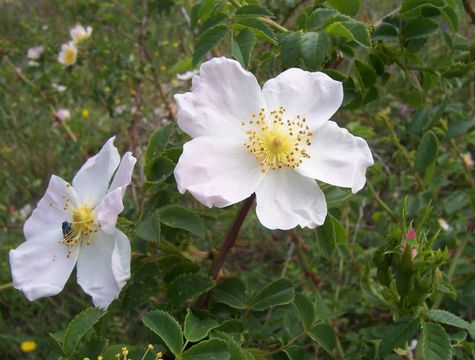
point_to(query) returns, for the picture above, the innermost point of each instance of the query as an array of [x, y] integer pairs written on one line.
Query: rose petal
[[223, 95], [337, 158], [109, 208], [123, 175], [217, 171], [286, 199], [40, 266], [92, 180], [52, 209], [313, 95], [104, 267]]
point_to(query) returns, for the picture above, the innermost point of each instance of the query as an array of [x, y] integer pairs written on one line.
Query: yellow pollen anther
[[80, 229], [277, 142]]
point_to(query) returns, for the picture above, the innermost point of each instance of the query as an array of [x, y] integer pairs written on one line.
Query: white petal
[[337, 158], [286, 199], [123, 175], [109, 208], [104, 267], [40, 266], [217, 171], [50, 211], [92, 180], [313, 95], [222, 96]]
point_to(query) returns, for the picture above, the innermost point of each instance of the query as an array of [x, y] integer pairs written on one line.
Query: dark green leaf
[[181, 218], [242, 46], [420, 27], [231, 292], [262, 29], [448, 318], [78, 327], [426, 152], [349, 7], [180, 268], [351, 30], [459, 128], [324, 335], [290, 49], [167, 328], [187, 286], [278, 292], [434, 343], [214, 349], [399, 334], [255, 10], [326, 237], [149, 229], [159, 169], [365, 73], [197, 325], [305, 310], [208, 40], [313, 47]]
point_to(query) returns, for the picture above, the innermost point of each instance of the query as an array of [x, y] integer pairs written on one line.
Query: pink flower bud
[[62, 115], [411, 234]]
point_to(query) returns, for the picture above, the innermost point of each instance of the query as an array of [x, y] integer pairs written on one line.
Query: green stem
[[380, 201], [6, 286]]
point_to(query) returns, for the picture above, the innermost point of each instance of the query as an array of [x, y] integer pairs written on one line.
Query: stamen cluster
[[276, 142]]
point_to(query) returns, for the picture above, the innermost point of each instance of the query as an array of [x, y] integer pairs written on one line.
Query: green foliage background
[[346, 290]]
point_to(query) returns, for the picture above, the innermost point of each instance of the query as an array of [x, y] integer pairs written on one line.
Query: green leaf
[[305, 310], [413, 5], [290, 49], [325, 236], [214, 349], [180, 268], [426, 152], [242, 46], [187, 286], [313, 47], [434, 343], [365, 73], [262, 30], [278, 292], [157, 143], [399, 334], [179, 217], [349, 7], [234, 347], [167, 328], [78, 327], [448, 318], [351, 30], [324, 335], [198, 325], [420, 27], [459, 128], [149, 229], [208, 40], [255, 10], [231, 292], [159, 169]]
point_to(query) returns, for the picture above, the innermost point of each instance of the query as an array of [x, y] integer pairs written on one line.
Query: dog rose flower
[[75, 223], [273, 142]]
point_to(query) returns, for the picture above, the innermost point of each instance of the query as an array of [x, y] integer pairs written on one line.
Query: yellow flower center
[[69, 56], [277, 142]]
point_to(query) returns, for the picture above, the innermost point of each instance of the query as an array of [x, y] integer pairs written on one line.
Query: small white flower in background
[[58, 87], [187, 75], [272, 141], [62, 114], [76, 223], [467, 159], [80, 34], [68, 54], [25, 211], [34, 53], [443, 224]]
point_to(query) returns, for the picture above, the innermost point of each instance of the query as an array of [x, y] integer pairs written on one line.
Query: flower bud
[[62, 115]]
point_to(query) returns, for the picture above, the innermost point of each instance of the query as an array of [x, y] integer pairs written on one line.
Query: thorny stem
[[228, 244], [452, 268]]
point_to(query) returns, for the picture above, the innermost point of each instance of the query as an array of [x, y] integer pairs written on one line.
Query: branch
[[469, 10]]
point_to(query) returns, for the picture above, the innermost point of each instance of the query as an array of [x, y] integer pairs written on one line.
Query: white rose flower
[[76, 224], [58, 87], [80, 34], [68, 54], [272, 142], [34, 53]]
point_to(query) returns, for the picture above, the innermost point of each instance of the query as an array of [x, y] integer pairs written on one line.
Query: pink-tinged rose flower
[[76, 224], [411, 234], [273, 141]]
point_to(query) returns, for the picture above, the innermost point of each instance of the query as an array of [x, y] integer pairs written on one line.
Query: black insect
[[67, 230]]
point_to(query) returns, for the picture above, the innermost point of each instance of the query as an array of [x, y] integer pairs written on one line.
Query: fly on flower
[[76, 224], [273, 142]]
